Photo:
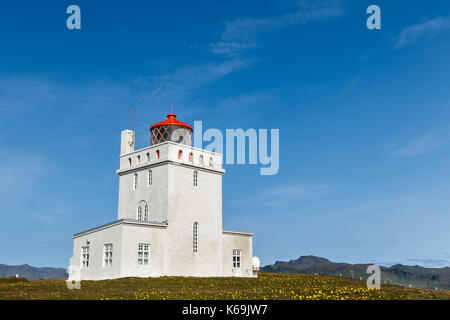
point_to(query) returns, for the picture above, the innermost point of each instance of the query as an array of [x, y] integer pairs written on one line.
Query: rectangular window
[[195, 179], [143, 254], [195, 238], [236, 258], [85, 257], [107, 262]]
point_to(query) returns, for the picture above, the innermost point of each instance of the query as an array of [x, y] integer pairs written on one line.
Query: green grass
[[268, 286]]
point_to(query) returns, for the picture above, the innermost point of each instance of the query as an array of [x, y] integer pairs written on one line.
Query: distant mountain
[[416, 276], [31, 273]]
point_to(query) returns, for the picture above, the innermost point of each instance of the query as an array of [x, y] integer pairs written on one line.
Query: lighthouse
[[169, 220]]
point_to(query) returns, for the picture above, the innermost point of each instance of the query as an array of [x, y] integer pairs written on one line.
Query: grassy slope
[[266, 286]]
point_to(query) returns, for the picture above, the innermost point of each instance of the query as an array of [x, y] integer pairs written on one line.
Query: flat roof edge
[[121, 221], [238, 232]]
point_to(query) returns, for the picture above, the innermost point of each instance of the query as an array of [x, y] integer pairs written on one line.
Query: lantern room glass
[[169, 132]]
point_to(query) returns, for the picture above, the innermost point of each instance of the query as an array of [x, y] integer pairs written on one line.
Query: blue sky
[[364, 119]]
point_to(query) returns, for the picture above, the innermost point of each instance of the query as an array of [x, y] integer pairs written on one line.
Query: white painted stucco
[[174, 204]]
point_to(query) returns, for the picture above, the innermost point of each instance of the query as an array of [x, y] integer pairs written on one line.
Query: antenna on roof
[[133, 112]]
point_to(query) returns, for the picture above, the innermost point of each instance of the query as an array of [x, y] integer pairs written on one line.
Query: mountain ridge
[[414, 276], [31, 273]]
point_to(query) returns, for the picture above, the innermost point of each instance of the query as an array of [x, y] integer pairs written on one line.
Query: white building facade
[[169, 215]]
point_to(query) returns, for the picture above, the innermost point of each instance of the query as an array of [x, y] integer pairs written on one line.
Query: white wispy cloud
[[153, 93], [256, 101], [425, 143], [379, 207], [421, 31], [19, 172], [20, 94], [244, 34], [150, 94], [280, 196], [246, 100], [55, 211], [429, 263], [181, 83]]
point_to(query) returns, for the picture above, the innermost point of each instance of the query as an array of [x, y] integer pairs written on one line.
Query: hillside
[[416, 276], [269, 286], [31, 273]]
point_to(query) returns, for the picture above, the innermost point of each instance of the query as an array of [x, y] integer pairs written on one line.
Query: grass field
[[268, 286]]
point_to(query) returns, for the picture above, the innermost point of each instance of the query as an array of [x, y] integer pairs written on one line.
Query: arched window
[[150, 177], [200, 160], [135, 182], [180, 154], [142, 211], [195, 238], [157, 153], [148, 156], [195, 178], [191, 156], [139, 213], [146, 212], [138, 160], [129, 162]]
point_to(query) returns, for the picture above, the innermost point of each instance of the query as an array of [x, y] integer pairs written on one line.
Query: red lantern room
[[171, 130]]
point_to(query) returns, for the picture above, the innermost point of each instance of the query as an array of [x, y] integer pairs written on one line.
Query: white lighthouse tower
[[169, 215]]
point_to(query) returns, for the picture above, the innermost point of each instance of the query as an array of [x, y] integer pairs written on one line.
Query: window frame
[[150, 177], [195, 237], [143, 248], [237, 253], [195, 178], [145, 217], [135, 181], [139, 213], [85, 257], [107, 255]]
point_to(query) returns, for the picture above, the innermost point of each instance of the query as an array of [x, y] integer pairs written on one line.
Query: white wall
[[125, 238], [155, 195], [126, 142], [134, 235], [242, 242], [97, 240], [189, 204]]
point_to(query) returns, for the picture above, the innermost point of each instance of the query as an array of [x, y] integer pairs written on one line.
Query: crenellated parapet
[[170, 152]]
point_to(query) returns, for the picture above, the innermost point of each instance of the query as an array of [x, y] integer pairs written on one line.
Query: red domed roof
[[171, 121]]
